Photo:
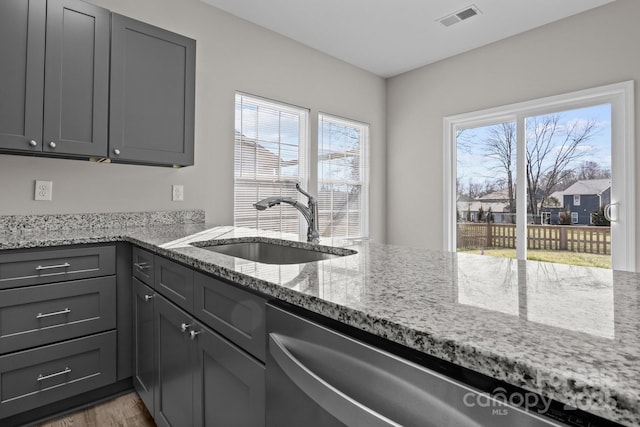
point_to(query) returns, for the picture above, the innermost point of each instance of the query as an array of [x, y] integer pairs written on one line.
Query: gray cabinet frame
[[152, 94], [22, 26], [76, 95], [58, 94]]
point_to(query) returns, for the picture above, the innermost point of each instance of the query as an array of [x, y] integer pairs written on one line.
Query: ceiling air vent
[[460, 15]]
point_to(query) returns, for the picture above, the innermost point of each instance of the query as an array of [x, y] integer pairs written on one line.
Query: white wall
[[594, 48], [231, 55]]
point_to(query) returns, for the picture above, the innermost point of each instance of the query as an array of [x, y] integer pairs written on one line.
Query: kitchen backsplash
[[61, 222]]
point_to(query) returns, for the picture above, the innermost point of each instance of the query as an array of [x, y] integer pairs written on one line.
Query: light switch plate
[[177, 193], [43, 190]]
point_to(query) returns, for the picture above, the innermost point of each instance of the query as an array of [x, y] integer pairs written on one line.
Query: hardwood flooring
[[124, 411]]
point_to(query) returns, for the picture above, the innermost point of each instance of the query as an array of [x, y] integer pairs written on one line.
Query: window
[[271, 155], [518, 160], [342, 177], [273, 152], [546, 218], [576, 200]]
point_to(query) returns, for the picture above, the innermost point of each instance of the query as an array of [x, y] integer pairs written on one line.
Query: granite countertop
[[568, 333]]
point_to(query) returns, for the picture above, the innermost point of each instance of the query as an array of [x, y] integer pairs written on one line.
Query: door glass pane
[[486, 190], [569, 186]]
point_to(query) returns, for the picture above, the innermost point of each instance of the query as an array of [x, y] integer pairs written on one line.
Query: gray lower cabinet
[[36, 377], [152, 94], [60, 309], [193, 376], [54, 98], [38, 315], [229, 385], [174, 397], [143, 343]]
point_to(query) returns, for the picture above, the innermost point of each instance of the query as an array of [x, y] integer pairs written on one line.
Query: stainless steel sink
[[271, 253]]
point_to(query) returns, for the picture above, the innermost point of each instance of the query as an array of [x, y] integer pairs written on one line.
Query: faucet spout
[[309, 212]]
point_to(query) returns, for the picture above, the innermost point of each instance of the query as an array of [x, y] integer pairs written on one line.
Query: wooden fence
[[588, 239]]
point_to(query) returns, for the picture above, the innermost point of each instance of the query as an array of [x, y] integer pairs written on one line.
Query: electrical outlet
[[44, 190], [177, 193]]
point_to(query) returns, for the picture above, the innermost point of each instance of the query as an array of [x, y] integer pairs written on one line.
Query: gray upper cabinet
[[152, 94], [22, 35], [76, 86], [54, 99]]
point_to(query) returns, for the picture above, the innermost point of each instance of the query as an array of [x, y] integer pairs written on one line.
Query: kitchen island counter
[[568, 333]]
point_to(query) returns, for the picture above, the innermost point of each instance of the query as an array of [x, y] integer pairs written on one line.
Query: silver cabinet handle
[[185, 326], [66, 370], [49, 267], [149, 297], [55, 313], [33, 143], [194, 334], [142, 265], [346, 409], [116, 151], [52, 144]]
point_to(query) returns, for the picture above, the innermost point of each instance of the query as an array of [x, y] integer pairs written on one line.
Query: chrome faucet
[[310, 212]]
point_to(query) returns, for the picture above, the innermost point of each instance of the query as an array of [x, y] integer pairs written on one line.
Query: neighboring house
[[580, 199], [498, 202]]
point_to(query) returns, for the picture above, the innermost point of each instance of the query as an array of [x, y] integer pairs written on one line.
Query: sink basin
[[272, 253]]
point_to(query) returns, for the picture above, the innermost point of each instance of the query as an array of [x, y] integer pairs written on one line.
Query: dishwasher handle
[[344, 408]]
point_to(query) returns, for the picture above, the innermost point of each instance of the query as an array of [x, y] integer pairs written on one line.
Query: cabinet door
[[152, 94], [174, 281], [144, 363], [76, 78], [174, 387], [229, 385], [235, 313], [22, 38]]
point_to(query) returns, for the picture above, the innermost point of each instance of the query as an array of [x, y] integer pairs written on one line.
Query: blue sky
[[474, 165]]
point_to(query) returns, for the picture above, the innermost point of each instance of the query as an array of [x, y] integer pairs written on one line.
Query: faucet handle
[[309, 196]]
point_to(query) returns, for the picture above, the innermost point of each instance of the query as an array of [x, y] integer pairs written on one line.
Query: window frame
[[364, 168], [576, 200], [303, 146], [621, 98]]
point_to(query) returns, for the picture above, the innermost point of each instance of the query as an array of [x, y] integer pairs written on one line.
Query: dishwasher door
[[319, 377]]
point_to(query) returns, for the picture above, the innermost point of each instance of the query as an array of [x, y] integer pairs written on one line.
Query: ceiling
[[389, 37]]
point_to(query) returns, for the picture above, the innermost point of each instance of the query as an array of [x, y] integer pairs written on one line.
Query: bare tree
[[592, 170], [551, 148], [500, 146]]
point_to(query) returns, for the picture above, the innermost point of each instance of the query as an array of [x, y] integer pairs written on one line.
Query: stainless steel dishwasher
[[319, 377]]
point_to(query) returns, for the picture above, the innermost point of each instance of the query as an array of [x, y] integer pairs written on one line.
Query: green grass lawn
[[560, 257]]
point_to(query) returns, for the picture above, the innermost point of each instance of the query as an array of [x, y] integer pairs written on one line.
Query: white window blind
[[271, 147], [343, 178]]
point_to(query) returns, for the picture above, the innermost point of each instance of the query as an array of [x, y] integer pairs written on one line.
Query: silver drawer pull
[[142, 266], [66, 370], [185, 327], [149, 297], [194, 334], [49, 267], [55, 313]]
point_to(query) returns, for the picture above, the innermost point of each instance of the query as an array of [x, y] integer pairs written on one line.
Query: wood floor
[[124, 411]]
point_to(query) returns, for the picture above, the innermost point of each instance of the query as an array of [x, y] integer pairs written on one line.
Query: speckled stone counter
[[568, 333]]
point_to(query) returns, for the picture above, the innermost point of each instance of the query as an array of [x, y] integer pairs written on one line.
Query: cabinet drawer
[[32, 378], [143, 265], [236, 314], [174, 281], [43, 314], [36, 267]]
